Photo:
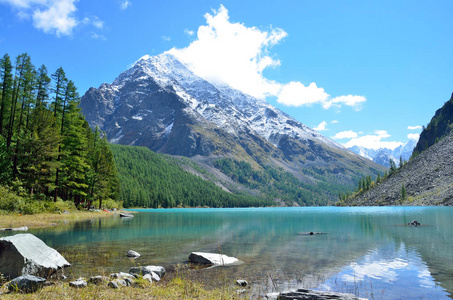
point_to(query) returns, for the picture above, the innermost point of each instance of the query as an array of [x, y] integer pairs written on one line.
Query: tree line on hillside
[[366, 183], [153, 180], [274, 183], [46, 147]]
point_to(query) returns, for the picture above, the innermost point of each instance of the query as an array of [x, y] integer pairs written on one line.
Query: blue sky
[[361, 72]]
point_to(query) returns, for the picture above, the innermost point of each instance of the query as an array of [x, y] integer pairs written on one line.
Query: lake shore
[[42, 220]]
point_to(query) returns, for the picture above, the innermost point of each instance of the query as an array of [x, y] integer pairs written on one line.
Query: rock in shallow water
[[213, 259]]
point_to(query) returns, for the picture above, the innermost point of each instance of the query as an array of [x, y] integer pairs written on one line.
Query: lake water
[[366, 251]]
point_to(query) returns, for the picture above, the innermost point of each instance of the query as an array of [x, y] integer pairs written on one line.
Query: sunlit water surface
[[370, 252]]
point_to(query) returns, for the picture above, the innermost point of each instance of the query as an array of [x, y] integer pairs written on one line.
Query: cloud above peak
[[51, 16], [232, 53]]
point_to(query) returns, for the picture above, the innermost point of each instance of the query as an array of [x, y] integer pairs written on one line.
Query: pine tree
[[6, 69]]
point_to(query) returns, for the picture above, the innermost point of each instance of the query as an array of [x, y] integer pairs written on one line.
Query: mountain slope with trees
[[427, 179]]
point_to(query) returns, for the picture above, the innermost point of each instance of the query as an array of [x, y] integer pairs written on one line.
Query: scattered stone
[[122, 275], [213, 259], [24, 228], [25, 254], [26, 284], [305, 294], [96, 280], [150, 277], [116, 283], [242, 282], [133, 254], [160, 271], [126, 215], [242, 291], [414, 223], [79, 283]]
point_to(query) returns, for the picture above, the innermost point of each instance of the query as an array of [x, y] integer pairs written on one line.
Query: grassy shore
[[9, 220], [174, 285]]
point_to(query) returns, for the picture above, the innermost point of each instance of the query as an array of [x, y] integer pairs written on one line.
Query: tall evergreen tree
[[6, 74]]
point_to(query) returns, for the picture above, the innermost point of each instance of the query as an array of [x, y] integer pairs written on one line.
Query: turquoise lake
[[368, 251]]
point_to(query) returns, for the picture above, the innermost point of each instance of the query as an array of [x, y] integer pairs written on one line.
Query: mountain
[[439, 126], [382, 156], [427, 180], [160, 104]]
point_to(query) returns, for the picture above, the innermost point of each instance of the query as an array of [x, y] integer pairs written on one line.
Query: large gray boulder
[[215, 259], [26, 284], [25, 254]]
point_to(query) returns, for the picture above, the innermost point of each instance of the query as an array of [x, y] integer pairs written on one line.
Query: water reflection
[[367, 251]]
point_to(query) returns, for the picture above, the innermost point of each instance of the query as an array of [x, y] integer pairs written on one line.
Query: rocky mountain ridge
[[159, 103], [427, 180]]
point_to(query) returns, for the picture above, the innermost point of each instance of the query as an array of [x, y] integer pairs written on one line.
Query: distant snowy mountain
[[382, 156], [159, 103]]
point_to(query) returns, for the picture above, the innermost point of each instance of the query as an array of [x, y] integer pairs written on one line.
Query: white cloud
[[97, 36], [345, 135], [418, 127], [125, 4], [166, 38], [373, 141], [413, 136], [321, 127], [189, 32], [228, 52], [51, 16], [296, 94], [334, 122], [349, 100], [232, 53]]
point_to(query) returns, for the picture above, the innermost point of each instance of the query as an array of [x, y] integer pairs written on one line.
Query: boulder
[[153, 277], [213, 259], [160, 271], [116, 283], [242, 282], [96, 280], [79, 283], [26, 284], [305, 294], [25, 254], [133, 254], [122, 275]]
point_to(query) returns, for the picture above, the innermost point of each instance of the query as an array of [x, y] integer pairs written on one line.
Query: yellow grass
[[47, 219]]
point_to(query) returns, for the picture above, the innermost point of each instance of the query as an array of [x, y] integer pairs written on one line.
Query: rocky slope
[[427, 179], [161, 104]]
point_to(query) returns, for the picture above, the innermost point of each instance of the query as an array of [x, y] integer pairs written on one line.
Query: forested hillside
[[153, 180], [47, 150]]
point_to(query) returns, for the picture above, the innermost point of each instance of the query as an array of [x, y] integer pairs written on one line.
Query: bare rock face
[[25, 254]]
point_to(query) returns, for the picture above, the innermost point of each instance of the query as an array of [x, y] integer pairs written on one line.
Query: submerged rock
[[24, 228], [414, 223], [213, 259], [25, 254], [26, 284]]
